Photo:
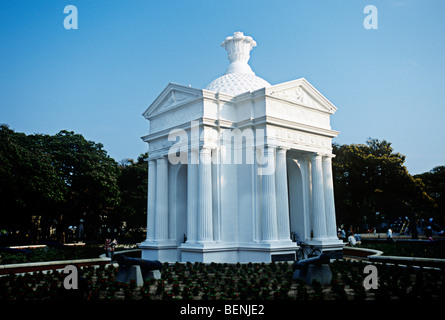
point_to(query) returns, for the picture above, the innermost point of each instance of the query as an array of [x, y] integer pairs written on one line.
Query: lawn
[[397, 248], [253, 281], [53, 254], [89, 251], [422, 249]]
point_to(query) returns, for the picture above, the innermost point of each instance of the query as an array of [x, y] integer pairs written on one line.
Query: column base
[[330, 246], [326, 242], [275, 243], [208, 252], [219, 252], [238, 252], [162, 250], [268, 251]]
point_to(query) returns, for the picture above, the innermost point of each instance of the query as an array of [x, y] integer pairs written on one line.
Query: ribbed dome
[[239, 77], [237, 83]]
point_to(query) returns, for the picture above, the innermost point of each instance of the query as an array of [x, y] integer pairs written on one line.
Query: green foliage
[[372, 178], [133, 182], [409, 249], [52, 254], [434, 184], [62, 178], [29, 183], [89, 175], [183, 283]]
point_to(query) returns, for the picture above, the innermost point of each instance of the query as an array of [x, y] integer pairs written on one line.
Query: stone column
[[205, 210], [192, 198], [161, 218], [151, 204], [282, 196], [331, 226], [269, 206], [318, 201]]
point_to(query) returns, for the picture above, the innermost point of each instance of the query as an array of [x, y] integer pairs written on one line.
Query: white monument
[[239, 167]]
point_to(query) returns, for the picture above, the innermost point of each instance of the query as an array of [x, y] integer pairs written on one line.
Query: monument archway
[[297, 216], [179, 195]]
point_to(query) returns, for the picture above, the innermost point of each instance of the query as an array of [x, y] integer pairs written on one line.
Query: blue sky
[[99, 79]]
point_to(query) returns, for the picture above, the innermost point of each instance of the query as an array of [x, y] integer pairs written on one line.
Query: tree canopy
[[89, 176], [434, 186], [372, 178], [29, 183], [133, 184], [61, 179]]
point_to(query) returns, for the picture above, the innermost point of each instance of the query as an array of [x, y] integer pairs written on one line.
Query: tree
[[89, 176], [29, 184], [132, 182], [434, 182], [372, 178], [61, 178]]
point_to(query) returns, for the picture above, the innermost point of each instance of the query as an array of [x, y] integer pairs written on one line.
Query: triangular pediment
[[301, 92], [172, 97]]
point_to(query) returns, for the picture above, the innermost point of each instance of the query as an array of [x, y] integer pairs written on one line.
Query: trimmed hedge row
[[253, 281]]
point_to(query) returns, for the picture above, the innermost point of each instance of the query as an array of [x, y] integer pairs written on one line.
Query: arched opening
[[296, 199]]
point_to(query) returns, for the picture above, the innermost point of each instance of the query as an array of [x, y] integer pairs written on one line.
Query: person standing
[[107, 247], [112, 245], [389, 235]]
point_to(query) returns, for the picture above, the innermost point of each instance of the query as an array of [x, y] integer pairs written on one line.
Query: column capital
[[269, 149], [327, 159], [282, 150], [206, 149], [267, 146], [316, 155], [328, 156], [193, 149], [161, 158], [157, 157]]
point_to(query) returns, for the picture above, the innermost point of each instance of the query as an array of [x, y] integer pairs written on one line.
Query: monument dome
[[239, 77]]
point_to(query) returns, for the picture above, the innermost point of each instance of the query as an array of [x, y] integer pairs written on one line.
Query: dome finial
[[239, 77], [238, 48]]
